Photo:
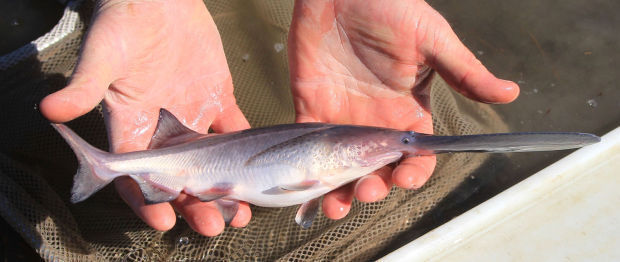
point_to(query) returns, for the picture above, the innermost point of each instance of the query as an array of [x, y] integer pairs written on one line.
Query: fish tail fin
[[92, 174]]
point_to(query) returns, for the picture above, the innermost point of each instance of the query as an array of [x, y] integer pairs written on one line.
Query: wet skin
[[350, 63]]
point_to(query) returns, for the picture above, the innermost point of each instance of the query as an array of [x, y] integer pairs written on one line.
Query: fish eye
[[405, 140]]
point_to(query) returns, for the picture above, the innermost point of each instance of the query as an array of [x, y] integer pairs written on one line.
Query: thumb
[[89, 82], [460, 68]]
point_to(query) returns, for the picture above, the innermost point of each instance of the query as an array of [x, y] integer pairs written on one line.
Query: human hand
[[140, 56], [360, 62]]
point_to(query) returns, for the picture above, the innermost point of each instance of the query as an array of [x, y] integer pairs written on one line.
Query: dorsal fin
[[170, 131]]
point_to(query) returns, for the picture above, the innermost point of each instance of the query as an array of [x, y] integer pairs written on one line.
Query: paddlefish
[[276, 166]]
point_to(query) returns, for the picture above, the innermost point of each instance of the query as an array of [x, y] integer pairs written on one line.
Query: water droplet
[[183, 240], [539, 111], [245, 57], [419, 113], [15, 22], [535, 90], [36, 107], [552, 84], [278, 47], [521, 81], [480, 52], [592, 103]]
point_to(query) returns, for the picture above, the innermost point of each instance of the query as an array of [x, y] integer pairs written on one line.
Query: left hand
[[359, 62]]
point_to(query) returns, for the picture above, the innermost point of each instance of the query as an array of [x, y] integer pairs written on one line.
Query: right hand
[[140, 56], [360, 62]]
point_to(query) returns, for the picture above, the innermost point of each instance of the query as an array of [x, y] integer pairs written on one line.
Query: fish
[[276, 166]]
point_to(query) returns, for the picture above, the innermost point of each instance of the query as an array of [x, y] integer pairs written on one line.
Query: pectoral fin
[[307, 212], [283, 189], [305, 185]]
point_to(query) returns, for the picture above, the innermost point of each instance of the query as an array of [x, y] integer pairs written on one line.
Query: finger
[[243, 216], [81, 95], [231, 119], [202, 217], [337, 203], [305, 119], [158, 216], [460, 68], [413, 172], [94, 72], [375, 186]]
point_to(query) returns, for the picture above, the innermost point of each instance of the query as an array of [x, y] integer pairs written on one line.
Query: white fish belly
[[290, 198]]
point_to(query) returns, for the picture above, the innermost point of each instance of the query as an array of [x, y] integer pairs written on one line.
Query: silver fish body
[[275, 166], [272, 167]]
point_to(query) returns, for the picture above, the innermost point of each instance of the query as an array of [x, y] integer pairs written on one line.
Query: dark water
[[22, 21]]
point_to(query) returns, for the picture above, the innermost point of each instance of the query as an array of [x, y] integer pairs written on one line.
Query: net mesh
[[36, 165]]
